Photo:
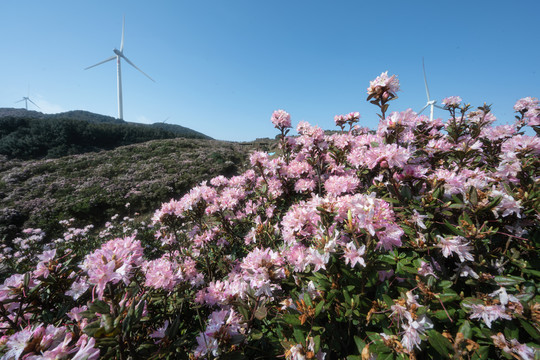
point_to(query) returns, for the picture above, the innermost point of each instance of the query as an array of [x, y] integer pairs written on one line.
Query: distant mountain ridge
[[98, 118], [33, 135]]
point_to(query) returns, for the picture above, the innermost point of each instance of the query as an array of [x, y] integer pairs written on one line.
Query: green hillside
[[32, 135], [93, 187]]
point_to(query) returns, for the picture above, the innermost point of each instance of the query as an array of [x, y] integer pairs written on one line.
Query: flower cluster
[[452, 101], [384, 86], [416, 240]]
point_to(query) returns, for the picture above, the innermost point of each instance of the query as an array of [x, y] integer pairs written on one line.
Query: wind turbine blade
[[34, 103], [123, 26], [132, 64], [99, 63], [425, 80], [439, 107], [19, 101], [424, 108]]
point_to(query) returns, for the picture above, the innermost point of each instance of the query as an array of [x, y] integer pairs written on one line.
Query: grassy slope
[[92, 187]]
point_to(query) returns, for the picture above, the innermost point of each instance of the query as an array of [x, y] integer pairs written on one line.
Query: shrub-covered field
[[91, 188], [419, 240]]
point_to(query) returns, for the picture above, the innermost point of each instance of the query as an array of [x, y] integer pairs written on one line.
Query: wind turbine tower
[[431, 103], [118, 55], [26, 99]]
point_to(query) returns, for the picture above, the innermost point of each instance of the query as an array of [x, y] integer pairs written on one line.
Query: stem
[[448, 315]]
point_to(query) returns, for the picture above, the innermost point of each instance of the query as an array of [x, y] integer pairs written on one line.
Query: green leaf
[[26, 279], [140, 308], [533, 272], [299, 335], [256, 334], [319, 308], [453, 229], [448, 295], [436, 193], [465, 329], [307, 299], [388, 300], [439, 343], [481, 354], [508, 280], [406, 192], [175, 326], [316, 343], [291, 319], [126, 324], [243, 311], [530, 329], [493, 203], [445, 315], [473, 196], [261, 312], [360, 344], [99, 306], [92, 328], [445, 284], [346, 296]]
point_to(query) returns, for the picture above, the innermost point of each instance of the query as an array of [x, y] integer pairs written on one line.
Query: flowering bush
[[417, 240], [90, 188]]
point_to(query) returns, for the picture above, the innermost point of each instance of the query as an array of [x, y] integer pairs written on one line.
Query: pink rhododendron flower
[[43, 267], [384, 275], [426, 269], [353, 255], [526, 103], [388, 156], [522, 144], [496, 133], [17, 343], [456, 245], [452, 101], [514, 347], [75, 313], [480, 116], [466, 271], [261, 269], [161, 274], [113, 262], [488, 313], [78, 287], [159, 333], [532, 117], [86, 351], [413, 329], [337, 185], [383, 81], [219, 323], [373, 215], [508, 204], [281, 119]]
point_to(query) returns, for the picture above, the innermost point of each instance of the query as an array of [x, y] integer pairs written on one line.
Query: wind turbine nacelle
[[117, 52]]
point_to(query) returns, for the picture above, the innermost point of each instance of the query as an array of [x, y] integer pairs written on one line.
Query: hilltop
[[26, 134], [91, 188]]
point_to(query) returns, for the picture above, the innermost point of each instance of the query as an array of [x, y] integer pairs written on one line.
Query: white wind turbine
[[430, 102], [26, 99], [119, 54]]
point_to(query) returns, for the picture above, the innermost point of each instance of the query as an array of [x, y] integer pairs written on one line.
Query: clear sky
[[222, 66]]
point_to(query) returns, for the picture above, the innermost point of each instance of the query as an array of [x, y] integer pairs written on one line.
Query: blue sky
[[222, 67]]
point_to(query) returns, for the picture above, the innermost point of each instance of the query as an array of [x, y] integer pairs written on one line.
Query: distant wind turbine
[[26, 99], [430, 102], [119, 54]]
